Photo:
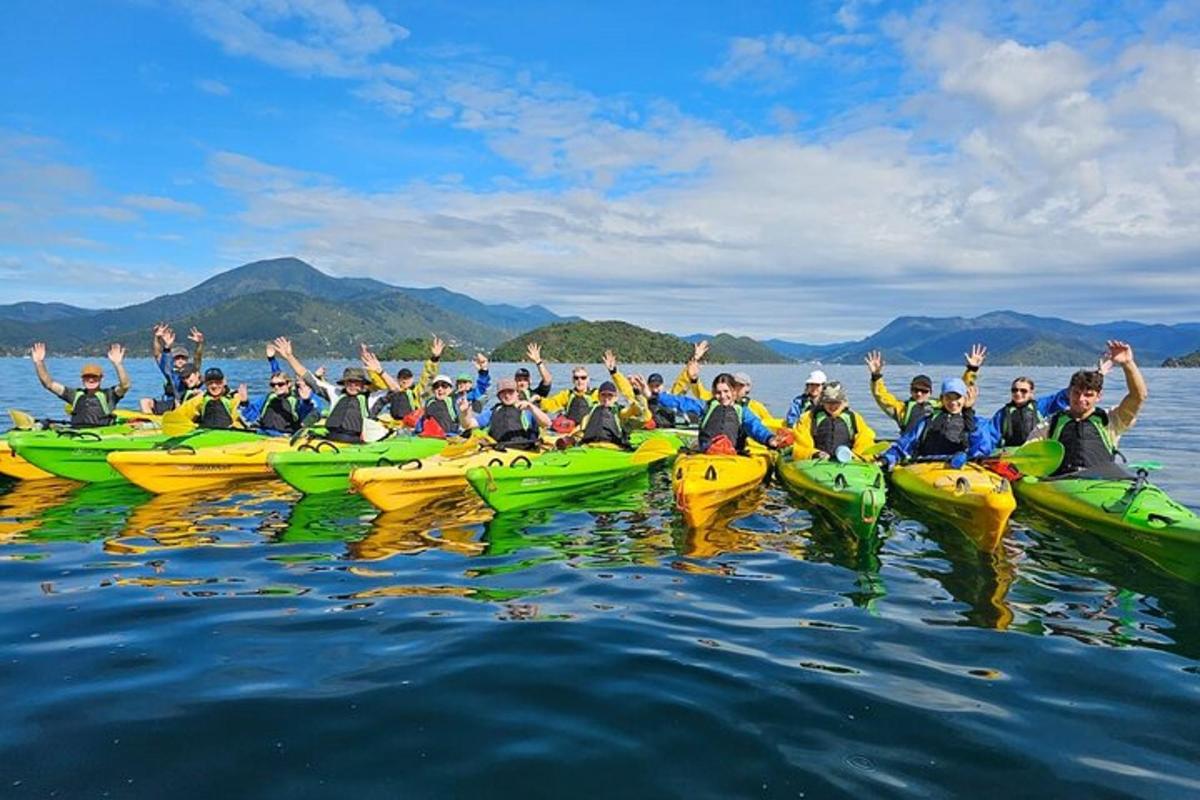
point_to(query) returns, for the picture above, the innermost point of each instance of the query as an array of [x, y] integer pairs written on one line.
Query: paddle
[[22, 420], [653, 449], [1036, 459], [176, 423]]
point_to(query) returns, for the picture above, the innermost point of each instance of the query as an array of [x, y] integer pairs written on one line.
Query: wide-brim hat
[[354, 374]]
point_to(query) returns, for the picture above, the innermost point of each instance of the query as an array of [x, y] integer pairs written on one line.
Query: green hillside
[[727, 349], [1190, 360], [585, 342]]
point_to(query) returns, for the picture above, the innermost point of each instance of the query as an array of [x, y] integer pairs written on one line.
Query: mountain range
[[242, 308]]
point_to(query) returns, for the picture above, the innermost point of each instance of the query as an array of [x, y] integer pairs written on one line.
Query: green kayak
[[320, 466], [545, 480], [82, 455], [852, 494], [1133, 513]]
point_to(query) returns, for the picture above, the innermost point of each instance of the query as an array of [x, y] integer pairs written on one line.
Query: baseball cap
[[608, 387], [922, 382], [954, 386], [816, 376], [465, 377], [833, 392], [442, 379], [213, 374], [91, 370], [403, 372], [742, 379], [655, 379], [521, 373], [506, 385]]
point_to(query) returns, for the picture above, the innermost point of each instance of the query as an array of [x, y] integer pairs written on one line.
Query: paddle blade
[[1037, 459], [654, 449], [176, 423], [22, 420], [877, 449]]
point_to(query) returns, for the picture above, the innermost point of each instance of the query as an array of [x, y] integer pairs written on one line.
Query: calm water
[[253, 643]]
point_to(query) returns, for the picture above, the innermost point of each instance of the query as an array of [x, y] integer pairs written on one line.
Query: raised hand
[[464, 408], [976, 357], [481, 362], [533, 351], [159, 329], [303, 390], [196, 336], [283, 346], [609, 360], [270, 350], [1104, 365], [38, 352], [320, 372], [699, 350], [116, 353], [370, 361], [436, 348], [1120, 352], [874, 362], [638, 383], [168, 337], [243, 394]]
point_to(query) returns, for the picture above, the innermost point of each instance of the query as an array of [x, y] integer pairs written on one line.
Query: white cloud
[[768, 60], [388, 96], [332, 38], [212, 86], [161, 205]]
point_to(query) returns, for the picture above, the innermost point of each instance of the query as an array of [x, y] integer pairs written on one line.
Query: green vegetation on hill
[[1190, 360], [726, 349], [585, 342]]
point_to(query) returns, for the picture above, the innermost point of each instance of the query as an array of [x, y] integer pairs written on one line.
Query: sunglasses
[[279, 383], [1015, 390], [919, 390], [579, 377], [90, 377]]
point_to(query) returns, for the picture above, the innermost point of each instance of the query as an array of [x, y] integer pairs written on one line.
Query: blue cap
[[954, 386], [608, 387]]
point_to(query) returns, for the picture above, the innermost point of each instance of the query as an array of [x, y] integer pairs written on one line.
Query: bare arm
[[38, 354], [116, 354], [371, 364], [283, 347], [1122, 354], [542, 417], [534, 352]]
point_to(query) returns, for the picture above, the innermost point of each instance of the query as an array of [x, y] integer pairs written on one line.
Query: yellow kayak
[[704, 483], [14, 466], [422, 480], [974, 500], [186, 469]]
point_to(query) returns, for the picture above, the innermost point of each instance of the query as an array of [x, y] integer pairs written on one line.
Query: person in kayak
[[89, 405], [919, 404], [514, 421], [809, 400], [473, 389], [821, 430], [1090, 434], [949, 430], [443, 415], [725, 424], [742, 387], [216, 408], [533, 352], [350, 400], [1015, 420], [603, 423], [402, 404], [575, 403], [171, 363], [283, 409], [650, 413]]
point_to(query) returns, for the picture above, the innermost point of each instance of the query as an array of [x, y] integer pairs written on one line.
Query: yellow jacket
[[427, 373], [864, 437], [895, 408], [560, 401], [191, 409]]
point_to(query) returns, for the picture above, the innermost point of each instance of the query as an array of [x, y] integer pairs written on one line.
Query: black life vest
[[1017, 423], [914, 412], [830, 432], [603, 425], [580, 406], [1086, 443], [722, 420], [90, 410], [217, 413], [345, 421], [402, 403], [280, 414], [512, 427], [663, 417], [945, 434], [445, 412]]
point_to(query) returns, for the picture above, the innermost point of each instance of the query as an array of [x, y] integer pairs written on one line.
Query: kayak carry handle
[[316, 448], [496, 462], [182, 448], [84, 435], [408, 462], [710, 474], [519, 459]]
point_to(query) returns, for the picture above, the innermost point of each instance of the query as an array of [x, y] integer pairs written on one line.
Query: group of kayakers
[[367, 401]]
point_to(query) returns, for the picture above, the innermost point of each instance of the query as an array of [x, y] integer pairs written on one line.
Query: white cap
[[442, 379], [816, 376]]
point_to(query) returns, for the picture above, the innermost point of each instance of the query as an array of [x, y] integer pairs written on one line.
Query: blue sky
[[800, 170]]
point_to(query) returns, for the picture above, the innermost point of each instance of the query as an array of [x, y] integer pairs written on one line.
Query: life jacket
[[830, 432], [580, 406], [1017, 423], [662, 416], [445, 412], [280, 414], [217, 412], [345, 421], [724, 421], [512, 427], [1086, 442], [90, 410], [914, 412], [945, 434], [603, 425], [402, 403]]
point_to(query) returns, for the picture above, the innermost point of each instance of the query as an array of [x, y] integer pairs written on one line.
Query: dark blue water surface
[[254, 643]]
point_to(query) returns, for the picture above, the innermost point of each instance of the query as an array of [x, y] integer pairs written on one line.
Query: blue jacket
[[482, 382], [979, 443], [797, 408], [166, 366], [751, 425], [254, 408], [1059, 401]]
